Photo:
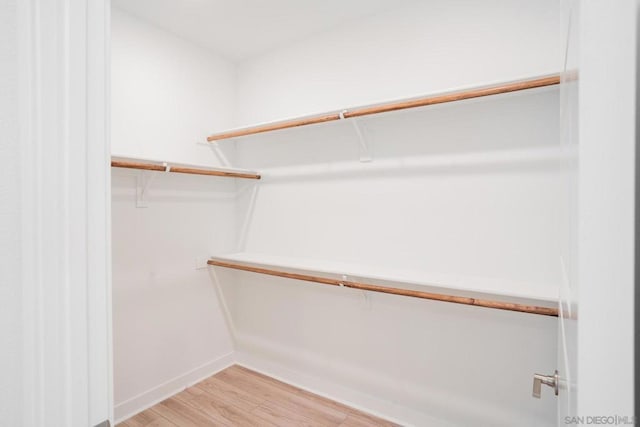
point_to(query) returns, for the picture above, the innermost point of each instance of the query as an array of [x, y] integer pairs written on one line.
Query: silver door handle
[[550, 380]]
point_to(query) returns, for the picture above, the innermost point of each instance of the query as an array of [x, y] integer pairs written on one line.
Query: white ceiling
[[238, 29]]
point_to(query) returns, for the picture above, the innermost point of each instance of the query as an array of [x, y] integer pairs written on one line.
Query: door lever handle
[[550, 380]]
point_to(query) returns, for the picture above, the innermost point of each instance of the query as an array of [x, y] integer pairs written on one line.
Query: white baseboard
[[375, 392], [139, 403], [306, 373], [390, 411], [321, 387]]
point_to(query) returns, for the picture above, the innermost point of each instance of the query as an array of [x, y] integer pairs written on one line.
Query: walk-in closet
[[342, 213], [331, 213]]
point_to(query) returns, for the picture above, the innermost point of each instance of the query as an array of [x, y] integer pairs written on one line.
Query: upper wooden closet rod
[[181, 169], [392, 106], [500, 305]]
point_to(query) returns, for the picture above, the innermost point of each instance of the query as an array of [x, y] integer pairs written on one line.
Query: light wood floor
[[240, 397]]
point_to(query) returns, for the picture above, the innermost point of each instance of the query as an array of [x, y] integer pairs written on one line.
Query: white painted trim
[[256, 355], [328, 390], [323, 377], [65, 190], [98, 30], [607, 129], [147, 399], [32, 396]]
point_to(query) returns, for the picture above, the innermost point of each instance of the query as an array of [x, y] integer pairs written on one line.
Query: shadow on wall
[[524, 120]]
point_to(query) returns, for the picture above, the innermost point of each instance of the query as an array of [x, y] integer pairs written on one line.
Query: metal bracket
[[215, 149], [365, 151], [248, 216], [365, 296], [143, 182], [367, 299], [345, 278]]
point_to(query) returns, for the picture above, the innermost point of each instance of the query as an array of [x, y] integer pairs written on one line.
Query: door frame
[[607, 147], [63, 49]]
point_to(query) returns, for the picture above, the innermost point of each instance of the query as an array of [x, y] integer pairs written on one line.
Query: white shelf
[[477, 287], [186, 168], [458, 94]]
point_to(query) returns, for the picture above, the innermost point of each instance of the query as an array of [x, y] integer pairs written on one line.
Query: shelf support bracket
[[214, 146], [365, 151], [143, 182]]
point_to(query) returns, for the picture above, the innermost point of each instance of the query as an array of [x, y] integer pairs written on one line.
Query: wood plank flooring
[[240, 397]]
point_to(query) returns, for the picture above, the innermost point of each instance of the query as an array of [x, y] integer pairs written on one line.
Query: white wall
[[484, 209], [473, 209], [10, 248], [167, 94], [168, 327], [402, 53], [473, 191]]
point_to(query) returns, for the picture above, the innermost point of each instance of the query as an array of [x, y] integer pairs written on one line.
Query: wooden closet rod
[[181, 169], [392, 106], [500, 305]]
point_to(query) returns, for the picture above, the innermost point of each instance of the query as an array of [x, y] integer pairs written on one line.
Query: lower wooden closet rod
[[500, 305], [181, 169]]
